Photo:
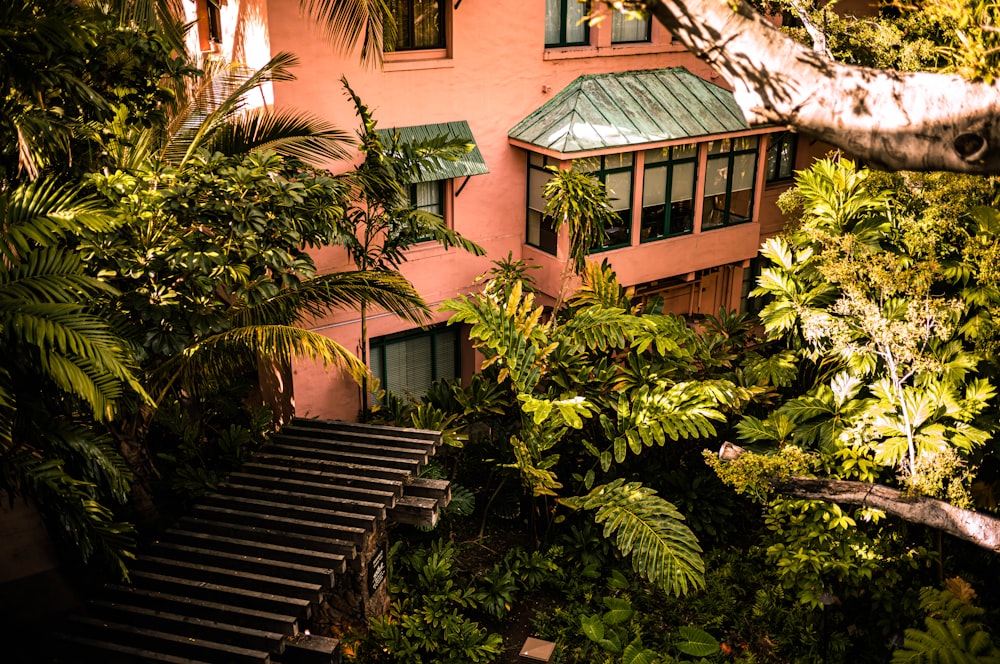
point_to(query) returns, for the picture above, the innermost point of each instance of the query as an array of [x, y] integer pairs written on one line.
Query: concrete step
[[278, 569], [213, 592], [363, 501], [233, 518], [346, 476], [411, 466], [195, 532], [421, 487], [311, 650], [264, 621], [323, 510], [367, 429], [171, 644], [188, 626], [228, 577], [354, 468], [87, 650], [280, 536], [318, 442], [416, 511]]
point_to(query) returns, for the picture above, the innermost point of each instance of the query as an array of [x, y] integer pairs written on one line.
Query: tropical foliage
[[595, 384]]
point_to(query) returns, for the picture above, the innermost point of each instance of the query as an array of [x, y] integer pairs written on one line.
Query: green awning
[[471, 163], [601, 111]]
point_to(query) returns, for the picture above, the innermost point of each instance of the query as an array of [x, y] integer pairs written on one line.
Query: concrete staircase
[[242, 577]]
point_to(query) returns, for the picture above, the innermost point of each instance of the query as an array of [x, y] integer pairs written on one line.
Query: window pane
[[651, 227], [553, 21], [716, 176], [427, 196], [446, 354], [624, 29], [620, 190], [426, 23], [419, 24], [743, 171], [682, 185], [684, 151], [536, 183], [654, 186], [740, 206], [576, 27], [587, 164], [681, 218], [657, 155]]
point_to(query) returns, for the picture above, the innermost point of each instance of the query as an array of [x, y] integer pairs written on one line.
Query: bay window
[[615, 171], [729, 181], [668, 192], [540, 232]]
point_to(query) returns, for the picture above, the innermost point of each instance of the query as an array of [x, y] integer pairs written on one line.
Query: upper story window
[[625, 30], [780, 157], [214, 16], [729, 180], [615, 171], [539, 232], [668, 192], [419, 24], [565, 24]]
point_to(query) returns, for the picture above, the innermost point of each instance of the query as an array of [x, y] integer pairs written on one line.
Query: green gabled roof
[[471, 163], [600, 111]]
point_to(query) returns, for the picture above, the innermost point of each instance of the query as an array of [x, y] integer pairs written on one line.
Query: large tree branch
[[976, 527], [908, 121]]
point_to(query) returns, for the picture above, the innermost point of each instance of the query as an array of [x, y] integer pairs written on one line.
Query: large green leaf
[[650, 530]]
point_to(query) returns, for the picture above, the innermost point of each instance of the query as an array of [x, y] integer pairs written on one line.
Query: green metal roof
[[471, 163], [600, 111]]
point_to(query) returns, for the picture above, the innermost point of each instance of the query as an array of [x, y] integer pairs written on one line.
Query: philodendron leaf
[[697, 642], [619, 610], [593, 628]]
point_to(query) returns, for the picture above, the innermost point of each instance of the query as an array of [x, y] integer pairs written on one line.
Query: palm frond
[[292, 134], [44, 211], [76, 516], [346, 22], [193, 127], [317, 296], [220, 357], [650, 530]]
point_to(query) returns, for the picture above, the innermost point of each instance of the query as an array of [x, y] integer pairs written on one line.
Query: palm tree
[[380, 223], [62, 369]]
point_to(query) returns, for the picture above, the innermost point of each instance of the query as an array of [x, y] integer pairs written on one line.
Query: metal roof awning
[[471, 163], [603, 111]]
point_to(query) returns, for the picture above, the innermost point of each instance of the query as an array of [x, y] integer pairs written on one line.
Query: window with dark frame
[[539, 232], [407, 363], [729, 182], [615, 171], [419, 25], [428, 197], [781, 157], [214, 15], [565, 24], [668, 192], [625, 30]]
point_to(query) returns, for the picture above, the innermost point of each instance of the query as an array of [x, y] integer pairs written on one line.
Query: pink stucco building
[[695, 187]]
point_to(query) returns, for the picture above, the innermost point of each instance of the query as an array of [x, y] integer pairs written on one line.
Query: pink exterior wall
[[495, 72]]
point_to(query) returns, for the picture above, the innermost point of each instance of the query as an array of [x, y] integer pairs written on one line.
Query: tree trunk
[[980, 529], [904, 121]]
